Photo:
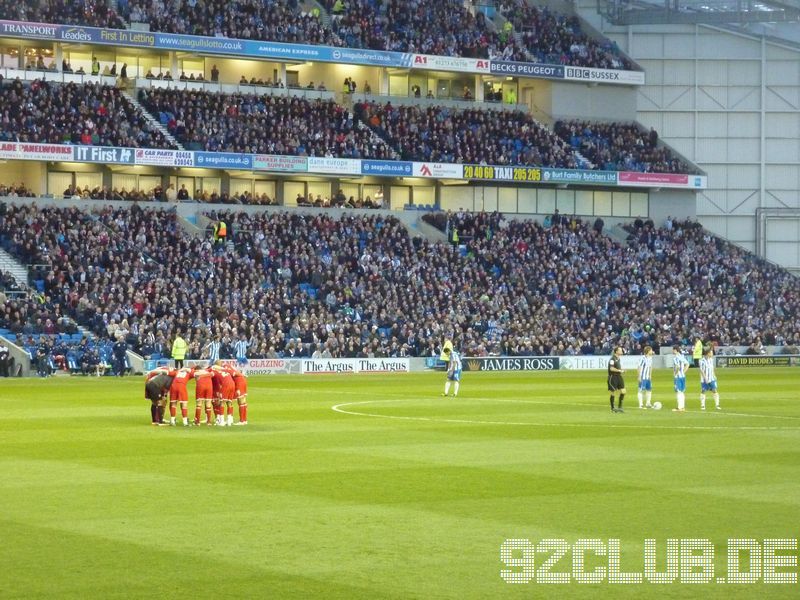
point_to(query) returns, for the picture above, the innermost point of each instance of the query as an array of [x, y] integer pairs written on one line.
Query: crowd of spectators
[[295, 284], [556, 38], [265, 124], [666, 287], [95, 13], [620, 147], [444, 134], [88, 114], [443, 27], [713, 285], [15, 190], [440, 27], [276, 20]]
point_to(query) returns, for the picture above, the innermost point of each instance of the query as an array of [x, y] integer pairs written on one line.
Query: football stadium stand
[[359, 284]]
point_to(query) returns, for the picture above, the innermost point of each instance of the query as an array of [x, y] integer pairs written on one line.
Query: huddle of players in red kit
[[217, 388]]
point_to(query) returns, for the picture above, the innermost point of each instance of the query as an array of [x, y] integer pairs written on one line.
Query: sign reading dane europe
[[511, 363]]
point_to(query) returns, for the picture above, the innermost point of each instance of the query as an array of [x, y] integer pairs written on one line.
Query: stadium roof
[[718, 12]]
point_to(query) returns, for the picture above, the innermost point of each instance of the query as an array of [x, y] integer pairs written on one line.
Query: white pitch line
[[338, 408]]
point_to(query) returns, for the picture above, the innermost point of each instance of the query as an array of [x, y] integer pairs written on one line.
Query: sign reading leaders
[[511, 363]]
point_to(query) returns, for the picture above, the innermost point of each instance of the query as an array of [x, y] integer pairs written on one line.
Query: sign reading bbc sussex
[[511, 363]]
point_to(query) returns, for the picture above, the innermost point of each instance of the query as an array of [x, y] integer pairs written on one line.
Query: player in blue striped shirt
[[213, 348], [645, 378], [708, 379], [679, 367], [453, 371], [240, 349]]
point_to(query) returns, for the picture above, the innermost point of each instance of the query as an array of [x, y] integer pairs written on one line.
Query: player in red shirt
[[204, 394], [178, 393], [240, 382], [225, 392]]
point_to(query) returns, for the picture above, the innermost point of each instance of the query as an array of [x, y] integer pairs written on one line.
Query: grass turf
[[310, 502]]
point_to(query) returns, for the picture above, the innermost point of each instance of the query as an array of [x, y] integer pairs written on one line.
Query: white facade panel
[[783, 125], [783, 151], [783, 177], [783, 73], [712, 45], [781, 97], [744, 72], [743, 150]]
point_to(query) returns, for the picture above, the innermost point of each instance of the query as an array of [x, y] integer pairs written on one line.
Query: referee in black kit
[[616, 384]]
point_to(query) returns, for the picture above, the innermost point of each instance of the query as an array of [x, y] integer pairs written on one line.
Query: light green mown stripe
[[307, 502]]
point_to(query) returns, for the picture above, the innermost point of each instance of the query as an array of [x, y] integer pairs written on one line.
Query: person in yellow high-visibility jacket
[[179, 347], [697, 352], [220, 232]]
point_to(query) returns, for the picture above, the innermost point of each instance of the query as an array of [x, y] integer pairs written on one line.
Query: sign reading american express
[[223, 160], [527, 69], [576, 176], [387, 168]]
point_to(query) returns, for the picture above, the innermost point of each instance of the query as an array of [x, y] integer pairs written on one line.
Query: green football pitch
[[377, 487]]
